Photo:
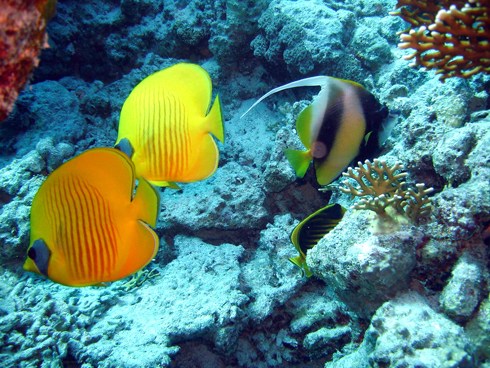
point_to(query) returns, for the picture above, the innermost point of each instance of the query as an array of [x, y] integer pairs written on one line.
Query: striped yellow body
[[86, 214], [166, 120], [89, 242]]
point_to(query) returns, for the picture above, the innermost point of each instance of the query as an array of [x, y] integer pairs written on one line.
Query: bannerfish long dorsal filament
[[318, 81]]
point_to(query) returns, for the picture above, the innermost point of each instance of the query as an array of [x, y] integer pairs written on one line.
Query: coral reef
[[22, 36], [270, 280], [19, 182], [234, 200], [403, 332], [194, 29], [300, 329], [452, 37], [69, 320], [461, 295], [478, 330], [221, 291], [365, 269], [307, 39], [385, 188]]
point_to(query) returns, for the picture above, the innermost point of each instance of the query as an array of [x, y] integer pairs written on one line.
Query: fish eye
[[40, 254], [31, 253]]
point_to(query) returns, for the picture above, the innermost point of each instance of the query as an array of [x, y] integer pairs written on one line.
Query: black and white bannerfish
[[343, 123]]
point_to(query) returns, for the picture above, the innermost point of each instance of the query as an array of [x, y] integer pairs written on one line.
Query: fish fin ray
[[301, 263], [298, 261], [172, 185], [166, 184], [144, 244], [207, 165]]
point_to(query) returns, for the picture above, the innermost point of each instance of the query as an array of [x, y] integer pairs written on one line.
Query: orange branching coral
[[22, 35], [452, 37], [422, 13]]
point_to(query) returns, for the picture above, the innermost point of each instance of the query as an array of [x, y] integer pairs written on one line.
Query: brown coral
[[22, 35], [419, 205], [452, 37], [384, 190], [382, 179]]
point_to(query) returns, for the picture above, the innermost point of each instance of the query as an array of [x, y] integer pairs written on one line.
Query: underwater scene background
[[221, 291]]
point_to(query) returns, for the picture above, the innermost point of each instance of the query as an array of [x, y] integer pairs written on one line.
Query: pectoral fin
[[299, 160]]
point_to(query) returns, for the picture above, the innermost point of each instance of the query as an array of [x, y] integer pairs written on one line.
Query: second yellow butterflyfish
[[87, 225], [166, 125]]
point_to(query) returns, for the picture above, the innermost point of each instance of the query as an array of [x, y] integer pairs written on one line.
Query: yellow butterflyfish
[[166, 125], [87, 225]]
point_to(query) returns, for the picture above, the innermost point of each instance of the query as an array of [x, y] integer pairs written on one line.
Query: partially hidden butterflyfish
[[88, 225], [167, 126], [309, 232], [341, 124]]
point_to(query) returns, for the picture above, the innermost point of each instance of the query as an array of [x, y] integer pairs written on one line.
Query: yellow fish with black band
[[88, 226], [166, 126], [344, 122], [309, 232]]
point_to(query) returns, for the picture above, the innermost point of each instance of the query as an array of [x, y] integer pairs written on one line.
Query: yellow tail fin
[[301, 263], [299, 160]]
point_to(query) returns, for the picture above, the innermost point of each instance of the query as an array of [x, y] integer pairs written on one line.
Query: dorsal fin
[[319, 81]]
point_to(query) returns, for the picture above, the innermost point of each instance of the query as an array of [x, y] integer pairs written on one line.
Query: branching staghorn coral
[[452, 37], [383, 190]]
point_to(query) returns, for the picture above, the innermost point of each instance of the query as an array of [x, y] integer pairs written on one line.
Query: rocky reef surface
[[221, 291]]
